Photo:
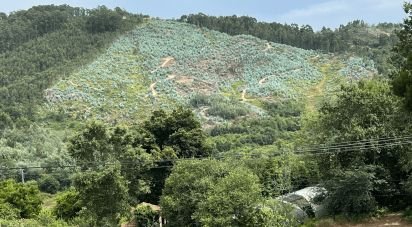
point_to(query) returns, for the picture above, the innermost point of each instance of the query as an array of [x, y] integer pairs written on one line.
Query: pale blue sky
[[317, 13]]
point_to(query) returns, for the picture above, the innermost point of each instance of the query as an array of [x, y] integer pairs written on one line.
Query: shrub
[[23, 197], [146, 216], [68, 204], [7, 211], [49, 184], [349, 193], [227, 111]]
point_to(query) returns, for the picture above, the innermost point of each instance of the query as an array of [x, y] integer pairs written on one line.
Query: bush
[[349, 193], [23, 197], [68, 204], [146, 216], [46, 218], [33, 222], [49, 184], [227, 111], [199, 100], [7, 211], [408, 214]]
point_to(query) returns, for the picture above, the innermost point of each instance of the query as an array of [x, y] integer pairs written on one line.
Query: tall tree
[[104, 195], [366, 111], [402, 78]]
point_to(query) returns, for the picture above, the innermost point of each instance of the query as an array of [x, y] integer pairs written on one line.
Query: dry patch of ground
[[385, 221]]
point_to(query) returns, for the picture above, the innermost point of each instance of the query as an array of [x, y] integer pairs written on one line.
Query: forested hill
[[46, 43], [373, 41], [101, 110]]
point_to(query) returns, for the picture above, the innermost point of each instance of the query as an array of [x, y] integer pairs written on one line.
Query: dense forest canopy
[[41, 45]]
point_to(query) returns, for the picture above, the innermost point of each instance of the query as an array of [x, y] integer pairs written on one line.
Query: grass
[[49, 200], [386, 219], [329, 84]]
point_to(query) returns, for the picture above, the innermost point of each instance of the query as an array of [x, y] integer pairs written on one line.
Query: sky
[[316, 13]]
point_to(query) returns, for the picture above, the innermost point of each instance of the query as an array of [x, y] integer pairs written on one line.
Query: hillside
[[358, 37], [164, 63], [108, 117], [42, 45]]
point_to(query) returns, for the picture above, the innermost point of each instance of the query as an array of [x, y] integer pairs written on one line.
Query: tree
[[5, 121], [402, 78], [68, 204], [8, 211], [175, 134], [366, 111], [103, 195], [179, 130], [23, 197], [186, 187], [92, 145], [217, 193], [146, 216], [103, 19], [98, 147], [232, 201], [49, 184], [350, 193]]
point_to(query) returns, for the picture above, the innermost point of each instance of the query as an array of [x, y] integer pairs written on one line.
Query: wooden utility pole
[[22, 175]]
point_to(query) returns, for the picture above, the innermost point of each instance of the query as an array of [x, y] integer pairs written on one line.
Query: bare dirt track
[[388, 220], [166, 63]]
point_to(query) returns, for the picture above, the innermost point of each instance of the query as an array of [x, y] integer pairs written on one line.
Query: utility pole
[[22, 175]]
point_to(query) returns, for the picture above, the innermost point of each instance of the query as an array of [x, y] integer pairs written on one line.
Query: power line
[[348, 146], [357, 142]]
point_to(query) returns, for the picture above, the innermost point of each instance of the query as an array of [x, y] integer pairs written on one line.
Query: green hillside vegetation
[[164, 63], [371, 41], [39, 47], [224, 79], [102, 110], [45, 44]]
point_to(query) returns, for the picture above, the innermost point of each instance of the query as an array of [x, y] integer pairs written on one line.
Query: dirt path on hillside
[[203, 110], [263, 80], [167, 61], [171, 77], [243, 97], [315, 92], [152, 88], [268, 47], [387, 220]]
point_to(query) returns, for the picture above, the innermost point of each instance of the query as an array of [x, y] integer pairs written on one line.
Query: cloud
[[385, 4], [332, 13], [324, 8]]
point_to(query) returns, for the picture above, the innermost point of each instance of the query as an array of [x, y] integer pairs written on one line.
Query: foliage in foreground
[[402, 79], [374, 170], [18, 200], [216, 193]]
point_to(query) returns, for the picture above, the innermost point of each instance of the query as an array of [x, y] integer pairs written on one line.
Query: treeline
[[328, 40], [370, 41], [45, 43]]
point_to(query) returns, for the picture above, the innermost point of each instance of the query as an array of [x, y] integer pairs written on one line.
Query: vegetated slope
[[371, 41], [41, 45], [164, 63], [38, 47]]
